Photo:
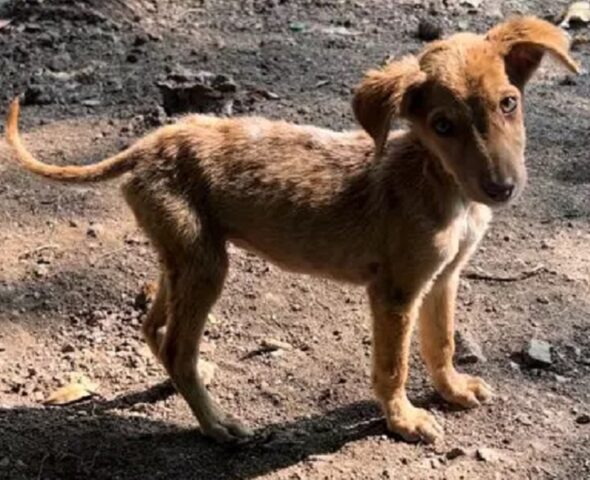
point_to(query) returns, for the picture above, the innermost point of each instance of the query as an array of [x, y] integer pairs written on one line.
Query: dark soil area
[[72, 261]]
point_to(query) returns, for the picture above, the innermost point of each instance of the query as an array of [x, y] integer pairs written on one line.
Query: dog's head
[[463, 99]]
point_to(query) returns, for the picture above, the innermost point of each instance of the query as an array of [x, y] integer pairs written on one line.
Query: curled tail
[[109, 168]]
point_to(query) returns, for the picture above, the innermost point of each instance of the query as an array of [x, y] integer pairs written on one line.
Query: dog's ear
[[384, 93], [523, 42]]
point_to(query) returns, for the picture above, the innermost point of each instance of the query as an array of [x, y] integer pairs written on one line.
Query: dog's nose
[[498, 191]]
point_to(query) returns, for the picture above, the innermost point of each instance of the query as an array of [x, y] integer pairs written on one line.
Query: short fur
[[399, 213]]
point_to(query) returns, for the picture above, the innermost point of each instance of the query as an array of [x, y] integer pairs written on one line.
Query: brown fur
[[400, 213]]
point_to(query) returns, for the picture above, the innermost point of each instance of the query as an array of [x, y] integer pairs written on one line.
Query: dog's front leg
[[394, 315], [438, 346]]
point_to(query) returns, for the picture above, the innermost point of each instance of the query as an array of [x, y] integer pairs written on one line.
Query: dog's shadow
[[109, 439]]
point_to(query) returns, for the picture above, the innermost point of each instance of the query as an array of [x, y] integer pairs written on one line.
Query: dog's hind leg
[[195, 263], [195, 285]]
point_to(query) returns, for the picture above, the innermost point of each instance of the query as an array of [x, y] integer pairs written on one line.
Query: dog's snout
[[498, 191]]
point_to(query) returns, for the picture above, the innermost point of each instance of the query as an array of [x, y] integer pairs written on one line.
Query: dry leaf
[[578, 12], [74, 391]]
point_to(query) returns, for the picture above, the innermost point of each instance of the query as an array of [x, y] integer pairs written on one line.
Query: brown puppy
[[399, 213]]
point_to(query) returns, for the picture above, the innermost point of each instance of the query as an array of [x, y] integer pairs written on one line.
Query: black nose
[[498, 191]]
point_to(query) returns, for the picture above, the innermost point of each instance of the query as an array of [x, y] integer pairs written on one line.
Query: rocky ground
[[289, 354]]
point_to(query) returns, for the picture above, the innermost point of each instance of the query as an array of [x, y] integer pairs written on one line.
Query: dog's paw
[[226, 430], [464, 390], [411, 423]]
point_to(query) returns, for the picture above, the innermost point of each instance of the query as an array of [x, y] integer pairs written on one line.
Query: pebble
[[467, 349], [513, 366], [40, 271], [583, 419], [272, 345], [95, 230], [462, 25], [4, 462], [474, 4], [320, 457], [455, 452], [485, 454], [538, 353]]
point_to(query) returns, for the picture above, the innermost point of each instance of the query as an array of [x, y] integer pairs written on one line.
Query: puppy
[[399, 213]]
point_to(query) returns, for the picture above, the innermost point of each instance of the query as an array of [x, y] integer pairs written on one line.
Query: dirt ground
[[72, 260]]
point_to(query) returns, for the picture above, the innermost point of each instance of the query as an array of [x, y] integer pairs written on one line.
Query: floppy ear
[[384, 93], [523, 42]]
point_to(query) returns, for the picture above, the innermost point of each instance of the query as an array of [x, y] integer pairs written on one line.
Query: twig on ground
[[29, 253], [485, 276]]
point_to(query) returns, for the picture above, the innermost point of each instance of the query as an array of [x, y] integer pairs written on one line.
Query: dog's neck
[[438, 187]]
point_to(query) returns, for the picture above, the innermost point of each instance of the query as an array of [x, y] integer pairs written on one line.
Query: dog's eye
[[508, 104], [443, 126]]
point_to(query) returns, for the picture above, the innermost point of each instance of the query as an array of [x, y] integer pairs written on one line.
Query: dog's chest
[[466, 230]]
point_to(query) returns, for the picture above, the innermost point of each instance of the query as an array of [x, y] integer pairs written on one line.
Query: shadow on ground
[[98, 440]]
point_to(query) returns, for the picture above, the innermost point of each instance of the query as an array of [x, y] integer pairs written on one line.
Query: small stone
[[297, 26], [429, 30], [455, 453], [95, 230], [91, 102], [155, 37], [495, 13], [525, 420], [486, 454], [583, 419], [467, 349], [514, 366], [277, 353], [272, 345], [68, 348], [462, 25], [473, 4], [40, 270], [270, 95], [538, 354], [4, 462], [320, 457]]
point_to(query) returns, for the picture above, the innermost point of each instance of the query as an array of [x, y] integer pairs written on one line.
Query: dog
[[399, 213]]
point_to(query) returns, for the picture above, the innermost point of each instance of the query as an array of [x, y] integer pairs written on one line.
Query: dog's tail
[[109, 168]]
